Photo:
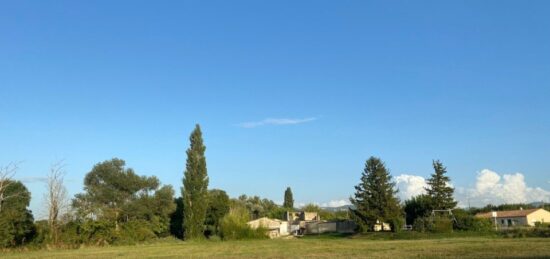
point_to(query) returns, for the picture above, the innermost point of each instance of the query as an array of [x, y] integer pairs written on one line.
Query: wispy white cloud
[[490, 188], [34, 179], [275, 121]]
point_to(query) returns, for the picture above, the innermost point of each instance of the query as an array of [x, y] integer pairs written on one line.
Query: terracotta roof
[[507, 213]]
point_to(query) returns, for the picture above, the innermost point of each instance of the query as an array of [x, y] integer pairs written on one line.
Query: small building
[[275, 227], [320, 227], [381, 226], [294, 216], [298, 220], [521, 217]]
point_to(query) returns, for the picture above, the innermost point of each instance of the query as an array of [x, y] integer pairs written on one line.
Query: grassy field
[[472, 247]]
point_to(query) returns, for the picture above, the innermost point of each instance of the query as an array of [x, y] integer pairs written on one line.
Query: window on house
[[502, 222], [509, 222]]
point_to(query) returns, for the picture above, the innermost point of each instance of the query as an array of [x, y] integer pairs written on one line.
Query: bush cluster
[[520, 232], [461, 222], [471, 223], [233, 226]]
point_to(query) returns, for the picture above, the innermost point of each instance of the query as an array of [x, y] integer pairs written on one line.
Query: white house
[[511, 218]]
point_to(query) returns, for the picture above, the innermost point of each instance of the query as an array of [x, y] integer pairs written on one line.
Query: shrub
[[233, 226], [481, 225], [133, 232], [98, 232], [515, 233], [103, 232], [543, 231], [70, 234], [417, 207], [442, 225], [437, 224], [467, 222], [539, 224], [16, 228], [42, 235], [278, 213], [397, 224], [423, 224], [521, 232]]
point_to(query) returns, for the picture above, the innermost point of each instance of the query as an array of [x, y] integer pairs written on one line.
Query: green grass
[[323, 246], [413, 235]]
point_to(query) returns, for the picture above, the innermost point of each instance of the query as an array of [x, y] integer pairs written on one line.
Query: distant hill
[[335, 209]]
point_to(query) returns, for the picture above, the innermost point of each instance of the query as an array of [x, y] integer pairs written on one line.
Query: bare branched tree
[[56, 198], [6, 179]]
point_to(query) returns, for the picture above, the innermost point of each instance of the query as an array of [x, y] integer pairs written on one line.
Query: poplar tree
[[375, 197], [195, 187], [289, 200], [439, 189]]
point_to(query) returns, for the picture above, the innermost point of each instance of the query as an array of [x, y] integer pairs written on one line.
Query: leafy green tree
[[233, 224], [218, 206], [334, 215], [164, 206], [16, 221], [289, 200], [439, 190], [258, 207], [195, 187], [310, 207], [277, 212], [513, 206], [417, 207], [467, 221], [375, 197], [152, 208], [115, 194], [109, 186]]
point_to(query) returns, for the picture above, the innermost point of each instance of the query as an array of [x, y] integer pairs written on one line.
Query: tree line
[[119, 206], [375, 202]]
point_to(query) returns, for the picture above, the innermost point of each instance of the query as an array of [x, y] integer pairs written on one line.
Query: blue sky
[[296, 93]]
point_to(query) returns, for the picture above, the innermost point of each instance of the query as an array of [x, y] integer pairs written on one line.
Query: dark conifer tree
[[375, 197], [195, 187], [289, 200], [439, 190]]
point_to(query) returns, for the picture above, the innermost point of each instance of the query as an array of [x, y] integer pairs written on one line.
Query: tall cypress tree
[[289, 200], [438, 189], [375, 197], [195, 187]]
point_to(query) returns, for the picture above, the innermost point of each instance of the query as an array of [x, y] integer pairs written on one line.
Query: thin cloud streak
[[34, 179], [276, 122]]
